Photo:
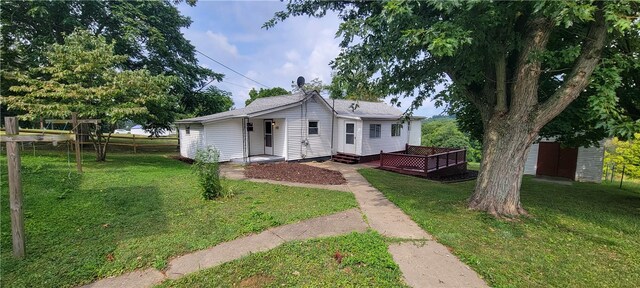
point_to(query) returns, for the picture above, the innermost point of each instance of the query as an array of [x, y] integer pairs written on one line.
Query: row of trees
[[111, 60]]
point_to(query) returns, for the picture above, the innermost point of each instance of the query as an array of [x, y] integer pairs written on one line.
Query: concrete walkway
[[332, 225], [423, 261]]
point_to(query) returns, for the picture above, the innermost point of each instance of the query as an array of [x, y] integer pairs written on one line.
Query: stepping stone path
[[423, 261]]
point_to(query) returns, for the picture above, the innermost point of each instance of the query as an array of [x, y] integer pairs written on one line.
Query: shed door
[[567, 161], [555, 161]]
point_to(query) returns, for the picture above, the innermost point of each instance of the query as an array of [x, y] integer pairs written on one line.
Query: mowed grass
[[365, 262], [583, 235], [131, 212]]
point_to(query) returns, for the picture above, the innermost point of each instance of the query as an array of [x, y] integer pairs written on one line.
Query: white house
[[300, 126], [548, 158]]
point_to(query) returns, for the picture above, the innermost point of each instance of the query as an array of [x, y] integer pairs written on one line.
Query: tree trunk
[[505, 148]]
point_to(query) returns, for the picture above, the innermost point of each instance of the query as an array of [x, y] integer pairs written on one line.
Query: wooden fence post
[[74, 122], [447, 165], [15, 189], [426, 165], [381, 159], [134, 143], [622, 178], [437, 162]]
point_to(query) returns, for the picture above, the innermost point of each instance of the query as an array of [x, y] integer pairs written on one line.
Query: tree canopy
[[516, 64], [262, 93], [148, 32], [210, 101], [84, 75], [625, 154]]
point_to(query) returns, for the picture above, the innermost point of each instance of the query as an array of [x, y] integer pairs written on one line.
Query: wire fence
[[118, 142]]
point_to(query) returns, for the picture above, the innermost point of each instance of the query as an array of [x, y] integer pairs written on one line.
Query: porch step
[[346, 158]]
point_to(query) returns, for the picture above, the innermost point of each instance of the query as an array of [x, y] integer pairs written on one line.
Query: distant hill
[[440, 118]]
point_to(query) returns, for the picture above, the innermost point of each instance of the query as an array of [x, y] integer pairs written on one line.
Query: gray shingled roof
[[364, 109], [370, 110], [257, 106]]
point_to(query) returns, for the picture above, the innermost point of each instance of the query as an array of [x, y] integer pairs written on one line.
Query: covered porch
[[265, 140]]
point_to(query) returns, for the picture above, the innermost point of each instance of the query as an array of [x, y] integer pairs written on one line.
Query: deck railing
[[419, 160]]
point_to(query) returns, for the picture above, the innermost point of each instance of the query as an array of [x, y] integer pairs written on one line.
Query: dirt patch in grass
[[256, 281], [295, 172]]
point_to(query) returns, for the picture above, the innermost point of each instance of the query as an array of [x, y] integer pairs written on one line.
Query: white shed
[[549, 158], [300, 126]]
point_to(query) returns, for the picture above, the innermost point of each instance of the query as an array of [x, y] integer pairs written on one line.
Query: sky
[[230, 32]]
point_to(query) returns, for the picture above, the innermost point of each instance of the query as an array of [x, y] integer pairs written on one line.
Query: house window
[[374, 130], [250, 127], [188, 130], [395, 129], [313, 127]]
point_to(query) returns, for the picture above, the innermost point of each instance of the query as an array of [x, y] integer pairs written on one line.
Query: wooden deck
[[425, 161]]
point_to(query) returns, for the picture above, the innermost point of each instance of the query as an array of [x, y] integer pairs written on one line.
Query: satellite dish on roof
[[300, 81]]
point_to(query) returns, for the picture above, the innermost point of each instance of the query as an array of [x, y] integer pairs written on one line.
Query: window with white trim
[[375, 130], [395, 130], [313, 127]]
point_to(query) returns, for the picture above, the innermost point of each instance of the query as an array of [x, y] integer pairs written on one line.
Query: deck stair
[[346, 158]]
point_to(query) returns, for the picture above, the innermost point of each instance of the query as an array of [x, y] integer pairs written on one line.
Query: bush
[[207, 167]]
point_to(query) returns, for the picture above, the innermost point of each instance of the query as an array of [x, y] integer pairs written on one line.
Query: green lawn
[[365, 263], [131, 212], [583, 235]]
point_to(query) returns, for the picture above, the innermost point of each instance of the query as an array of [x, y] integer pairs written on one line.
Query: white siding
[[295, 127], [415, 133], [385, 143], [256, 137], [531, 164], [226, 136], [589, 164], [279, 137], [190, 143]]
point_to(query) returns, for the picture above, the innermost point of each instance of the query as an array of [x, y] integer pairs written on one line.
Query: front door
[[350, 138], [268, 137]]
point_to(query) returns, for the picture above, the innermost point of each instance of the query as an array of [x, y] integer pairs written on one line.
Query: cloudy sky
[[231, 33]]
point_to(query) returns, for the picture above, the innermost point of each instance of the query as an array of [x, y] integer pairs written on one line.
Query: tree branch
[[578, 79], [524, 92], [475, 98]]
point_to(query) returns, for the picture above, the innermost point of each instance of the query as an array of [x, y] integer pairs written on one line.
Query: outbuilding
[[551, 159]]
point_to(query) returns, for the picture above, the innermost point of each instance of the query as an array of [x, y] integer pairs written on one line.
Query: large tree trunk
[[510, 127], [505, 149]]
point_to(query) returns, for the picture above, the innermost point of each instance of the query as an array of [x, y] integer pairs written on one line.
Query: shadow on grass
[[74, 229]]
